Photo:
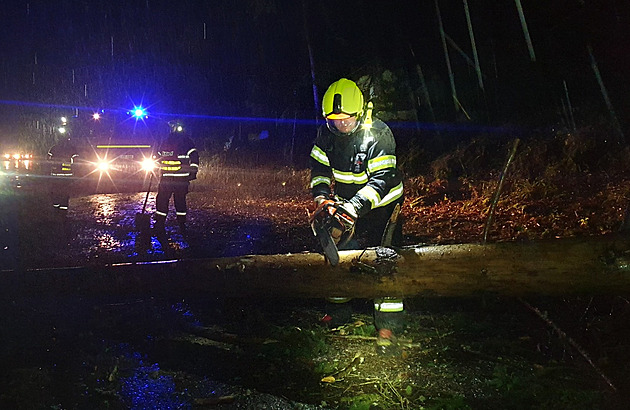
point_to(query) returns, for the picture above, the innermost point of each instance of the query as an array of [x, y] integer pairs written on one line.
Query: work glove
[[318, 200], [342, 227], [337, 217], [324, 208], [192, 176]]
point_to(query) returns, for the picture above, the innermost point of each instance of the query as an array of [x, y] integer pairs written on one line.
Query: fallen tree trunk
[[571, 266]]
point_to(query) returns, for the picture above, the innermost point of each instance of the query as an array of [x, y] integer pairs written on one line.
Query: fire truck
[[118, 146]]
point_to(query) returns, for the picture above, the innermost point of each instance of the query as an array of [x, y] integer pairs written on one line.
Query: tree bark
[[571, 266]]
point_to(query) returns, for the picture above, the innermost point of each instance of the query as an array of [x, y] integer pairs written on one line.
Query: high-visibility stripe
[[320, 180], [169, 167], [394, 194], [382, 162], [174, 174], [350, 177], [338, 299], [391, 306], [180, 213], [370, 194], [320, 156], [160, 213], [375, 199], [123, 146]]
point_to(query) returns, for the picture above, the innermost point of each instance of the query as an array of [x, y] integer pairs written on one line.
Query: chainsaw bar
[[326, 241]]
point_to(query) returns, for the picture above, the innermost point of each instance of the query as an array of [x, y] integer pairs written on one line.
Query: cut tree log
[[569, 266]]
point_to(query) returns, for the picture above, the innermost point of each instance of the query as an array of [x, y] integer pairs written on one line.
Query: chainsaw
[[329, 218]]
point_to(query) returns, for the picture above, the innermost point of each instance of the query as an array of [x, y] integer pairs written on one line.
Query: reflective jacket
[[62, 158], [362, 166], [178, 158]]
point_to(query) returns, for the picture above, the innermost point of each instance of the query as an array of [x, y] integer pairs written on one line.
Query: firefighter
[[178, 160], [355, 154], [61, 157]]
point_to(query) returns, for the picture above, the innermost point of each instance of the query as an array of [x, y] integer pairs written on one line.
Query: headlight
[[102, 166], [16, 156], [148, 164]]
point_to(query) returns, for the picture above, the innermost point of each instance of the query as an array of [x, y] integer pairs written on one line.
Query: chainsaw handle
[[324, 206]]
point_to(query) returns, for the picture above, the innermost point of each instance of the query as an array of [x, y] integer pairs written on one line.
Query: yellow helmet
[[343, 99]]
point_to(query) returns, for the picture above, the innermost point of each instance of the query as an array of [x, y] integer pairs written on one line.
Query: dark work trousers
[[176, 187], [371, 226], [368, 232], [60, 188]]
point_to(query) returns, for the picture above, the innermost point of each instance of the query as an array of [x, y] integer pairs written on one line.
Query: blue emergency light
[[139, 112]]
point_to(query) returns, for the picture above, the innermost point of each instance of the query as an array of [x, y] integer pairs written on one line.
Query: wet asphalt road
[[100, 228]]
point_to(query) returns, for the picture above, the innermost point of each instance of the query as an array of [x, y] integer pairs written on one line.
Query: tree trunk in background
[[447, 58], [528, 40], [572, 266], [604, 91]]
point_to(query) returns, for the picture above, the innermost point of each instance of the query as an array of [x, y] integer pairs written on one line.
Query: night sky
[[251, 58]]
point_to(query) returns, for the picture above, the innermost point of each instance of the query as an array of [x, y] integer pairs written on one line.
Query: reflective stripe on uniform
[[338, 299], [389, 305], [320, 156], [350, 177], [320, 180], [375, 199], [370, 194], [175, 174], [172, 168], [382, 162]]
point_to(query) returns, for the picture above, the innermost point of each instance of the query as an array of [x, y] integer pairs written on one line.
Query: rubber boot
[[389, 314], [338, 312], [387, 343], [389, 320], [159, 225]]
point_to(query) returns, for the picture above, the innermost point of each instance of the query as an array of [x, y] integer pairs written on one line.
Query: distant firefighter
[[178, 160], [61, 158]]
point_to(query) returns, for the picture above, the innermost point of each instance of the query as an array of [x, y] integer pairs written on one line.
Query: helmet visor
[[341, 116], [345, 125]]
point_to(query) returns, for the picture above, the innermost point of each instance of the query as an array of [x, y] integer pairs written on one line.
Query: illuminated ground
[[481, 352]]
